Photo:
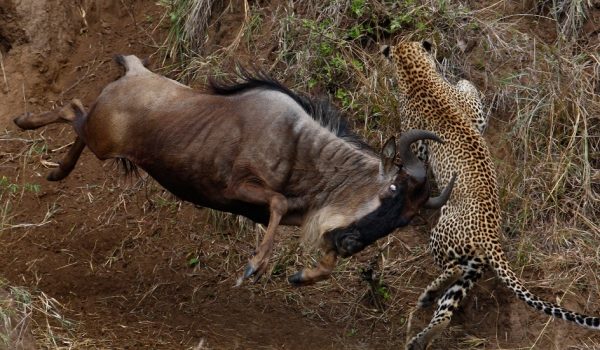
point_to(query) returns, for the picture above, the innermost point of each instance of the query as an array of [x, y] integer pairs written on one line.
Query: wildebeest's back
[[214, 148], [122, 106], [204, 145]]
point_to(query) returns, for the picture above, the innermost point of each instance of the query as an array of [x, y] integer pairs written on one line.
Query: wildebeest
[[256, 149]]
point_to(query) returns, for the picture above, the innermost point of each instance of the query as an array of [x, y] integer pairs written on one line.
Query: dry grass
[[29, 318], [550, 196], [189, 20]]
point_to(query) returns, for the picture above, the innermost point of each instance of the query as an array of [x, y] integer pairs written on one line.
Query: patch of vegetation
[[11, 192], [193, 261], [188, 23], [6, 186], [22, 309]]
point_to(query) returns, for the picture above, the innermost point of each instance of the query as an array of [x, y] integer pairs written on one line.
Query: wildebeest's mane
[[320, 109]]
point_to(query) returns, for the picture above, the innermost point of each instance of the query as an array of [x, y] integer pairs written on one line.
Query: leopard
[[465, 241]]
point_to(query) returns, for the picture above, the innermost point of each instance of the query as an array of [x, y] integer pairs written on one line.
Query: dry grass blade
[[189, 23], [196, 23], [3, 72]]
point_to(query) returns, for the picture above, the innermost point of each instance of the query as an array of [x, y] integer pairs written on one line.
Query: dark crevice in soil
[[5, 44], [10, 32]]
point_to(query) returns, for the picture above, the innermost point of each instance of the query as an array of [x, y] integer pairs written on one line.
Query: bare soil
[[134, 268]]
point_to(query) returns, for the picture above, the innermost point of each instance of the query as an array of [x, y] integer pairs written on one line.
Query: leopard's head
[[411, 59]]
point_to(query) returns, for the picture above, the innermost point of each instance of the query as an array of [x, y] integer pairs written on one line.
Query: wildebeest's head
[[400, 200]]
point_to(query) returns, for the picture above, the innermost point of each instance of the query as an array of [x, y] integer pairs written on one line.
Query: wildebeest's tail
[[510, 279], [132, 64], [79, 116]]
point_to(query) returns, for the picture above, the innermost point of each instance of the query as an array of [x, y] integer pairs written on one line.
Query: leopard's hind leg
[[449, 302], [449, 275]]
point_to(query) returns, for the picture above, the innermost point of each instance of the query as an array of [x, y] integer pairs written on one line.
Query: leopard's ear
[[427, 45]]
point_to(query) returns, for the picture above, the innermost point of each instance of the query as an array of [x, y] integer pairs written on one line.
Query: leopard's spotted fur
[[468, 99], [466, 239]]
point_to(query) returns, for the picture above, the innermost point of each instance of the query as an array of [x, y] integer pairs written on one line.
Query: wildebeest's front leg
[[67, 164], [319, 273], [278, 206]]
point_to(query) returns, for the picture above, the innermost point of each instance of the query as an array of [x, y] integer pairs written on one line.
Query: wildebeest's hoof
[[22, 121], [297, 279], [57, 175], [253, 269], [249, 271]]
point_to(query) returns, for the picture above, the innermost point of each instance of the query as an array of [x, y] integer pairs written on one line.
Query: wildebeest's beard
[[352, 239]]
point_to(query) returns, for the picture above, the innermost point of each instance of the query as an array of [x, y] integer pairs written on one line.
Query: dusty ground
[[134, 268]]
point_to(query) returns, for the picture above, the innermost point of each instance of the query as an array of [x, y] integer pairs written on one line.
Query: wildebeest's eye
[[393, 188]]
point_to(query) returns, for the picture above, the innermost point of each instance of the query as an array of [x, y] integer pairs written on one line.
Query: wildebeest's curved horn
[[410, 162], [439, 201]]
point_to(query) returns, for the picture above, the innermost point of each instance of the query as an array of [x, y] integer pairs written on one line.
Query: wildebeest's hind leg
[[278, 206], [67, 164], [69, 113], [66, 114], [319, 273]]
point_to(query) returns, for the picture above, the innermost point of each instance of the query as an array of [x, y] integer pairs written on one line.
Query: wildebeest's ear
[[388, 154]]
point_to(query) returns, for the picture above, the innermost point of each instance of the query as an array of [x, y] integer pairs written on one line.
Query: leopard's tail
[[510, 279]]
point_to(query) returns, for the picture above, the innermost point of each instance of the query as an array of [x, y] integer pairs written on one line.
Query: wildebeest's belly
[[207, 195]]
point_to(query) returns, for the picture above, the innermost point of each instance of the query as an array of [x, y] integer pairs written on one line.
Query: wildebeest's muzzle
[[346, 242], [349, 240]]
